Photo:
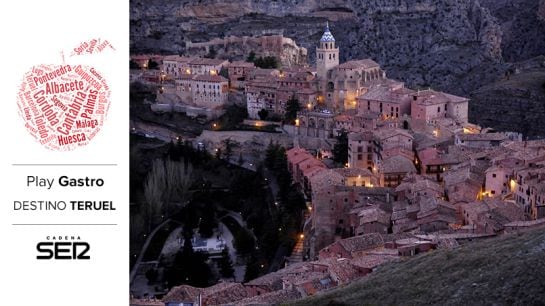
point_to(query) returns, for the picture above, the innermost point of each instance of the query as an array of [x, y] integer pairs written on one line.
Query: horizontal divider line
[[105, 165], [53, 224]]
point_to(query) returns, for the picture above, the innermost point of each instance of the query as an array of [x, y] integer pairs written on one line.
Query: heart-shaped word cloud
[[63, 106]]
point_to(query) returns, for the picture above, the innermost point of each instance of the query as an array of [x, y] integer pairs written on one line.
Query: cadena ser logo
[[63, 248]]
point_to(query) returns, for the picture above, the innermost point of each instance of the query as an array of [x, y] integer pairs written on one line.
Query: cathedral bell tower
[[327, 54]]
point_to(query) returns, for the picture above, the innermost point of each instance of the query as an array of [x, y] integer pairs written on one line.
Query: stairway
[[297, 253]]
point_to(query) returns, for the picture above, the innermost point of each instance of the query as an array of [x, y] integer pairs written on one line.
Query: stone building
[[429, 105], [319, 124], [339, 85], [335, 194], [390, 99], [239, 71], [175, 66], [272, 90], [209, 91]]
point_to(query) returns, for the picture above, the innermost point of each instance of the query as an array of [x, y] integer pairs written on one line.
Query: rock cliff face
[[458, 46], [238, 48], [516, 102]]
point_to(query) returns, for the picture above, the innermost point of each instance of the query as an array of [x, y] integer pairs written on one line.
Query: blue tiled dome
[[327, 37]]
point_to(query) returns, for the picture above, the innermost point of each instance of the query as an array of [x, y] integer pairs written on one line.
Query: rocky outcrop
[[238, 48], [424, 42], [514, 103], [456, 46], [522, 25]]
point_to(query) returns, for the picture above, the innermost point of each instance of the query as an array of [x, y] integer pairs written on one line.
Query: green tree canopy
[[292, 107], [340, 149]]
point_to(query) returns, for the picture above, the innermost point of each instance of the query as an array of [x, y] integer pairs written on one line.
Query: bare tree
[[177, 183], [153, 191], [167, 181]]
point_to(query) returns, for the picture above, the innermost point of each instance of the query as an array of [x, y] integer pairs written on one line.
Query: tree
[[225, 263], [252, 269], [292, 107], [266, 62], [340, 149], [133, 65], [153, 191], [224, 72], [263, 113], [167, 181], [244, 241], [153, 64], [228, 146], [176, 184], [207, 221], [189, 267], [240, 160], [211, 53], [270, 154], [251, 57], [151, 275]]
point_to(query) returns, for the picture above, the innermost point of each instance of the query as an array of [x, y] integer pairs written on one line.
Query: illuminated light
[[296, 122], [310, 208], [347, 165], [301, 236], [370, 185], [309, 106], [188, 71], [214, 125], [213, 72]]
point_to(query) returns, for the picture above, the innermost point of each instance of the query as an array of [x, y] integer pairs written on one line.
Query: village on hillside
[[387, 172]]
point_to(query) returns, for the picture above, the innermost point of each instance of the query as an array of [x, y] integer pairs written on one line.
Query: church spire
[[327, 36]]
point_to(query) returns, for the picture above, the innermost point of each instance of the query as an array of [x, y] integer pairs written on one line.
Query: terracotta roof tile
[[356, 64]]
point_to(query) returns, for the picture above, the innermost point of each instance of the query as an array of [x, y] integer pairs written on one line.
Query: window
[[493, 174], [438, 109], [329, 56]]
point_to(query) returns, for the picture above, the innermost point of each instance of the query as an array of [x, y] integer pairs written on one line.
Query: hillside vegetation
[[508, 270]]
